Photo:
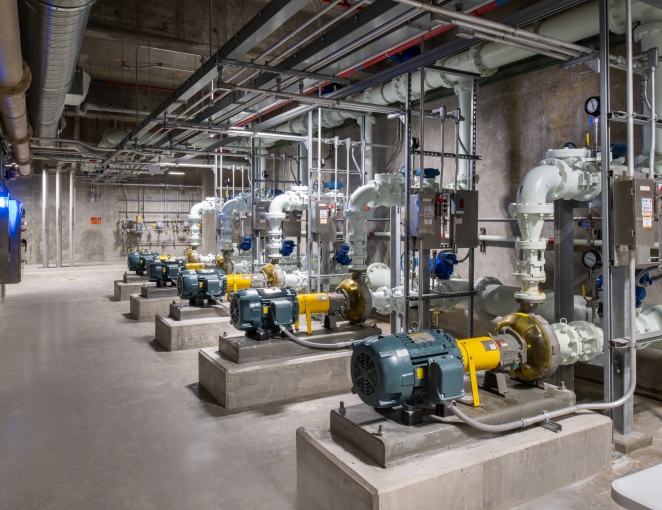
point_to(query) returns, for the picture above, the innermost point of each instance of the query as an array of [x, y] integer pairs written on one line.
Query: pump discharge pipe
[[294, 199]]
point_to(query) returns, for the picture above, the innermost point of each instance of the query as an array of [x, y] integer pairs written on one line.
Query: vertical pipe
[[423, 254], [255, 200], [651, 154], [471, 184], [348, 143], [369, 121], [72, 216], [44, 216], [406, 193], [606, 198], [309, 212], [363, 147], [58, 216], [319, 187]]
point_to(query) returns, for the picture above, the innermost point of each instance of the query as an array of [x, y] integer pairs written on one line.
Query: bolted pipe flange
[[479, 286]]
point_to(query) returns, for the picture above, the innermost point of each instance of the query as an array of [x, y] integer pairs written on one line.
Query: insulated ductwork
[[293, 199], [14, 80], [51, 34], [564, 174], [385, 190]]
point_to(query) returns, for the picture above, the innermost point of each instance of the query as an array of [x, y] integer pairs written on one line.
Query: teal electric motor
[[137, 261], [201, 287], [164, 272], [412, 370], [261, 312]]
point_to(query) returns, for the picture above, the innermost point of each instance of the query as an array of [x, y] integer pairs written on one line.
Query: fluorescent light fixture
[[173, 172]]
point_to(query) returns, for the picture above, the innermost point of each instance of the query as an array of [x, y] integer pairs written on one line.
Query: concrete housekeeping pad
[[493, 471], [134, 278], [175, 335], [145, 309], [122, 290], [242, 372]]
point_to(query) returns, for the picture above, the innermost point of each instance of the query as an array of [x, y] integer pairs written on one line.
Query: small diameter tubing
[[313, 345]]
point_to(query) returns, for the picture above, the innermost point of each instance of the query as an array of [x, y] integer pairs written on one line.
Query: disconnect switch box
[[634, 216]]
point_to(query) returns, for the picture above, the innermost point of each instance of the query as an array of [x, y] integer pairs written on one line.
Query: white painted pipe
[[295, 198], [44, 216], [242, 204], [58, 216], [369, 171], [463, 92], [15, 78]]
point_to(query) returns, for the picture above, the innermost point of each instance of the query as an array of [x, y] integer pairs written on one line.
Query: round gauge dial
[[592, 259], [592, 106]]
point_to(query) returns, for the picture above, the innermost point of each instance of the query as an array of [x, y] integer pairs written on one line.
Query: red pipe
[[344, 5]]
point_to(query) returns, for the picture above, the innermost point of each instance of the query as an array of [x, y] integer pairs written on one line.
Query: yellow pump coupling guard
[[480, 353], [317, 302], [197, 266], [237, 282]]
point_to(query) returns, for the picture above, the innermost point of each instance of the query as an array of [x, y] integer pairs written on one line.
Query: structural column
[[44, 216], [58, 216], [72, 215]]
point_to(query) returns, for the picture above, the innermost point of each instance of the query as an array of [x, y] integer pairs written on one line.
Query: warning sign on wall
[[95, 220]]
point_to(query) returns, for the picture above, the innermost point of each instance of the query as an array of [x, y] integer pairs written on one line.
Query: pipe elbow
[[538, 184], [364, 196]]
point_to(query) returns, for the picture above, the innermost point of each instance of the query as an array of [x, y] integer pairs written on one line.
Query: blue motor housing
[[287, 248], [411, 370], [443, 266], [342, 255], [164, 272], [200, 286], [428, 173], [260, 312], [246, 244], [137, 261]]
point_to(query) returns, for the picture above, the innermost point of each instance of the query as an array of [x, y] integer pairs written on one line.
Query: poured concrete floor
[[94, 414]]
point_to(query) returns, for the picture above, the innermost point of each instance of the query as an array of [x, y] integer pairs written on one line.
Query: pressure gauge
[[592, 106], [592, 259]]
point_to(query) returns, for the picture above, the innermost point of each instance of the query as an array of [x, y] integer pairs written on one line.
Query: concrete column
[[44, 216], [563, 278], [72, 215], [58, 216]]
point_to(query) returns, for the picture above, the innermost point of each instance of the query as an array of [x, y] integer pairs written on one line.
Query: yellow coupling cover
[[480, 353], [196, 266], [237, 282], [317, 302]]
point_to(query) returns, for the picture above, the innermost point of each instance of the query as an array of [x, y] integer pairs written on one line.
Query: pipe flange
[[27, 161], [21, 141], [21, 87], [480, 286], [443, 77], [475, 56], [648, 29], [617, 16]]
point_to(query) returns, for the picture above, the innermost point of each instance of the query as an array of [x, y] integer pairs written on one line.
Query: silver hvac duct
[[51, 34], [14, 81]]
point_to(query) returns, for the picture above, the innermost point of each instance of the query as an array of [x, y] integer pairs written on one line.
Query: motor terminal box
[[635, 213], [260, 222], [292, 224]]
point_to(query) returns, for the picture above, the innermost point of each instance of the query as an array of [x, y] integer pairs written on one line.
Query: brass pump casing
[[543, 352]]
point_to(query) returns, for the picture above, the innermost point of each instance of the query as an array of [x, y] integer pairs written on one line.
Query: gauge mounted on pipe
[[592, 106], [592, 259]]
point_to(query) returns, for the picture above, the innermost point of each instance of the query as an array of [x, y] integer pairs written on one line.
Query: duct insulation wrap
[[51, 34]]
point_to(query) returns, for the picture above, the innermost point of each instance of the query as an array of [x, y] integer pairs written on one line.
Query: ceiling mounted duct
[[51, 34]]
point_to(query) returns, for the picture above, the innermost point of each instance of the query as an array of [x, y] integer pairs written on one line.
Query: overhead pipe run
[[15, 78], [52, 34]]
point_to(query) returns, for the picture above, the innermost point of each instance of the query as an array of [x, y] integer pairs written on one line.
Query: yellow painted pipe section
[[164, 257], [480, 353], [317, 302], [237, 282], [197, 266]]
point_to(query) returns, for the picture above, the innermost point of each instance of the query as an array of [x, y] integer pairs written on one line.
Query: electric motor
[[261, 311], [164, 271], [137, 261], [200, 285], [410, 369]]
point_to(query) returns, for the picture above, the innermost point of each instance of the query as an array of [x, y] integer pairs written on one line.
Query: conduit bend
[[294, 199]]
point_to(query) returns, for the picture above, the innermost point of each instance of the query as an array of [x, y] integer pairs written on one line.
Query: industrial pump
[[261, 312], [165, 272], [137, 261], [427, 367], [201, 287]]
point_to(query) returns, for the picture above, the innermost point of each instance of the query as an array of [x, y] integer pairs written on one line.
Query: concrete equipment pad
[[256, 383], [122, 291], [152, 291], [495, 472], [145, 309], [183, 311], [134, 278], [241, 349], [176, 335], [359, 424]]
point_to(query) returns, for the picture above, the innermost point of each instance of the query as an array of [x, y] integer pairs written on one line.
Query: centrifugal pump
[[201, 286], [137, 261], [164, 272], [260, 312], [427, 367]]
